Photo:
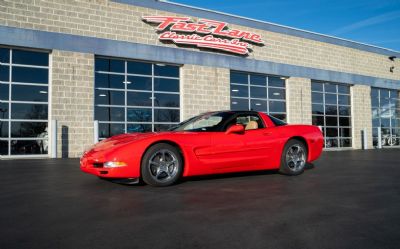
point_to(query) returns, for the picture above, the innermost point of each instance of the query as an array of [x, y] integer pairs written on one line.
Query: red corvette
[[211, 143]]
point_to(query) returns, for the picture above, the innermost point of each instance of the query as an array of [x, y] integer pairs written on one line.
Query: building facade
[[105, 67]]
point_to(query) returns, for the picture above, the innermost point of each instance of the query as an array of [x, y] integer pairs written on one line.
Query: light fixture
[[102, 95], [283, 78], [258, 104], [127, 82], [276, 94], [160, 64], [234, 103], [44, 92], [235, 90]]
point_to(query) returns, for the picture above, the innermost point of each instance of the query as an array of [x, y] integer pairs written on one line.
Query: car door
[[249, 150]]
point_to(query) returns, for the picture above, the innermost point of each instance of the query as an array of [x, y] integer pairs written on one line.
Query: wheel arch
[[165, 141]]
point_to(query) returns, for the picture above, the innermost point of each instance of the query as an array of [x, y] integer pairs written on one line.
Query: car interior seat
[[252, 125]]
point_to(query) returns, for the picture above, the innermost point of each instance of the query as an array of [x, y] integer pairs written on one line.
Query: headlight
[[114, 164]]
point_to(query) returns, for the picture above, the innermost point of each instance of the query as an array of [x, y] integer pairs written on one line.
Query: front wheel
[[294, 157], [162, 165]]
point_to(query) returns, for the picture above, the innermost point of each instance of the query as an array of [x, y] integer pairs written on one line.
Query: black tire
[[288, 164], [158, 171]]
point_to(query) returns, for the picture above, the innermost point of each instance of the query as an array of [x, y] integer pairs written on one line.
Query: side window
[[250, 122]]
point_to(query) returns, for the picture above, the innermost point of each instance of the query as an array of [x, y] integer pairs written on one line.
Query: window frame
[[153, 107]]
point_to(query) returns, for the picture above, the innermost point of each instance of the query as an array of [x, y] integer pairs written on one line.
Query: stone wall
[[204, 89], [361, 114], [72, 103], [298, 100]]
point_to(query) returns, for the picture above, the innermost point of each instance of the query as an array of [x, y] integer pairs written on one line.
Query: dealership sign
[[204, 34]]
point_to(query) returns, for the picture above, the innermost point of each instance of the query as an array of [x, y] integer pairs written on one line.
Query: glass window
[[258, 105], [110, 65], [4, 73], [109, 81], [166, 85], [258, 92], [318, 109], [22, 118], [276, 82], [4, 91], [3, 129], [239, 91], [110, 113], [240, 78], [166, 70], [276, 93], [166, 115], [259, 80], [385, 116], [30, 75], [139, 115], [139, 83], [317, 87], [29, 111], [331, 102], [30, 93], [145, 128], [147, 96], [138, 99], [166, 100], [135, 67], [240, 104], [330, 88], [331, 109], [108, 97], [317, 97], [3, 147], [31, 147], [24, 57], [107, 130], [28, 129], [4, 55]]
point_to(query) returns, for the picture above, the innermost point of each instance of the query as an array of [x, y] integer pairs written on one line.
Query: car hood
[[119, 140]]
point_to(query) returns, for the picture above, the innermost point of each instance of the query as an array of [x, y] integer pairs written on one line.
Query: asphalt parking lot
[[350, 199]]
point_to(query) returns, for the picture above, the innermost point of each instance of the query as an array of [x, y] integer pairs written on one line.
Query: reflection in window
[[331, 111], [385, 116], [134, 96], [258, 92], [23, 131]]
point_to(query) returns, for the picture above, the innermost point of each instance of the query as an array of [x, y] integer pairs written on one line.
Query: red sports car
[[211, 143]]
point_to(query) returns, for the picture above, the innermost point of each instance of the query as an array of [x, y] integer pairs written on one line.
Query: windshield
[[204, 122]]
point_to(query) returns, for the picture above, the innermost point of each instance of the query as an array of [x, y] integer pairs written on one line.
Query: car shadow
[[308, 166]]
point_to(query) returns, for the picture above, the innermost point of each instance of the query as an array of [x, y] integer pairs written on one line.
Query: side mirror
[[235, 129]]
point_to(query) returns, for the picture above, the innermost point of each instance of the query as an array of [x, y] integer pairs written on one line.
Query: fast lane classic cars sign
[[204, 34]]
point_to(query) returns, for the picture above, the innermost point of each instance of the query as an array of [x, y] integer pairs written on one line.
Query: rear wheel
[[294, 157], [162, 165]]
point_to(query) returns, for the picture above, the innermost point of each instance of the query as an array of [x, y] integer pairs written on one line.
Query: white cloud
[[367, 22]]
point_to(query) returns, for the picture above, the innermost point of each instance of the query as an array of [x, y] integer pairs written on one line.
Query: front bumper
[[94, 165]]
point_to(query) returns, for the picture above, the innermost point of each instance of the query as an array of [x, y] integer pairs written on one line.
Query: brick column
[[361, 114], [204, 89], [298, 100], [72, 101]]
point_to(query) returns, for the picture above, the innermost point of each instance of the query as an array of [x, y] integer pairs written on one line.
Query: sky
[[375, 22]]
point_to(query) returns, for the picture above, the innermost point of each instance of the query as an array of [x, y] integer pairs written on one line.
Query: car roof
[[233, 112]]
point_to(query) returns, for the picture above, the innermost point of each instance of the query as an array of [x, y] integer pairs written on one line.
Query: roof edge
[[257, 24]]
